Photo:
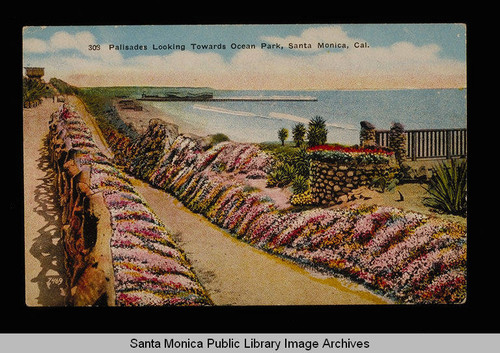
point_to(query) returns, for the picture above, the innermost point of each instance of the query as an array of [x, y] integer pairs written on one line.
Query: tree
[[299, 133], [33, 90], [283, 135], [317, 133]]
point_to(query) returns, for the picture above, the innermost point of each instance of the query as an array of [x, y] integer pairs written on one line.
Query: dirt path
[[44, 274], [235, 273]]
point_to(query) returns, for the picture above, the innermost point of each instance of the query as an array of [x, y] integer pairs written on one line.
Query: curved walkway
[[235, 273]]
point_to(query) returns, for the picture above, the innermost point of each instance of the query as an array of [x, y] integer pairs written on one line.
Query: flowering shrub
[[341, 154], [383, 247], [148, 266], [302, 199], [400, 254]]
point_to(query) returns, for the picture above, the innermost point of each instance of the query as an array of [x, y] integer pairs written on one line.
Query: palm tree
[[299, 133], [283, 135], [317, 133]]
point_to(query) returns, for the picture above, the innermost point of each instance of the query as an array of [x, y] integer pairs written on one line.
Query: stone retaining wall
[[332, 183]]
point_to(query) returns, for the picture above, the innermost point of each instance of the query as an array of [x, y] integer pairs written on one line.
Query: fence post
[[447, 141], [367, 134], [414, 145], [397, 142]]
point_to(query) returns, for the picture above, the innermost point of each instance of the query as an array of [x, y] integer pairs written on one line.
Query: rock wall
[[397, 142], [117, 252], [334, 182]]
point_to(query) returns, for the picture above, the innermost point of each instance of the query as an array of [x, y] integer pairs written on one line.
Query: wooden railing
[[430, 143]]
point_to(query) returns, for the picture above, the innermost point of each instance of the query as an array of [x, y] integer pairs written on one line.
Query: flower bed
[[343, 155], [407, 256], [148, 267]]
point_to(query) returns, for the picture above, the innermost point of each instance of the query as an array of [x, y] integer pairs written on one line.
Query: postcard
[[245, 165]]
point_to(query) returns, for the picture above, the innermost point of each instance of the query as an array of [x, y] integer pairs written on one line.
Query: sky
[[280, 57]]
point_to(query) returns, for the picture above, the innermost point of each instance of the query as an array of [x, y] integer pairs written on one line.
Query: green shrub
[[300, 184], [33, 90], [317, 131], [282, 175], [447, 188], [106, 116], [300, 160], [63, 87], [299, 133], [291, 164], [386, 180], [217, 138]]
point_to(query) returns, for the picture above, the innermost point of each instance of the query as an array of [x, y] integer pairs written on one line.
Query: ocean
[[259, 121]]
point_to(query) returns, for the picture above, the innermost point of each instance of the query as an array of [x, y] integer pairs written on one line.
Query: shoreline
[[140, 118], [244, 121]]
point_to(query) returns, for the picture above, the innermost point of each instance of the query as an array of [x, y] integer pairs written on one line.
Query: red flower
[[348, 149]]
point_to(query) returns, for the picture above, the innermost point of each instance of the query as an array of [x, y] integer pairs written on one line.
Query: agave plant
[[300, 184], [281, 176], [447, 188]]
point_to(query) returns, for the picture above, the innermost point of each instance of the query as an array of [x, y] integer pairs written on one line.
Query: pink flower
[[148, 260]]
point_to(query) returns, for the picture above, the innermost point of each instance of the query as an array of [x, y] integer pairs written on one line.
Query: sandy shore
[[140, 118]]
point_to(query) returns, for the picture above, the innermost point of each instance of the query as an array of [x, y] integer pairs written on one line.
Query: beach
[[140, 118]]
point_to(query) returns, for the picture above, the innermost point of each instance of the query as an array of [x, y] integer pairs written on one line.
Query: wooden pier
[[229, 99]]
